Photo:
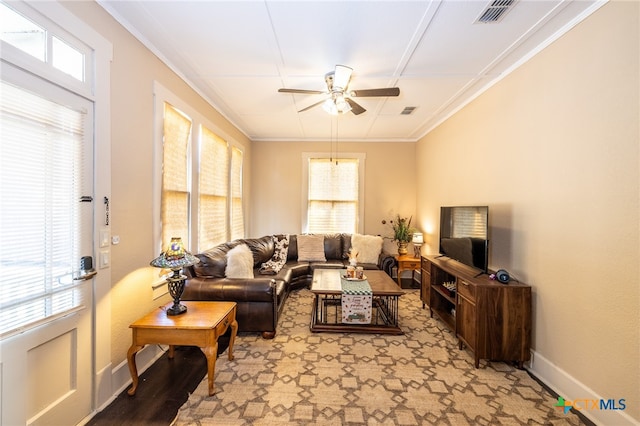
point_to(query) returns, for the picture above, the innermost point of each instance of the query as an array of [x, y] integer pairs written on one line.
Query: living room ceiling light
[[341, 98], [337, 104]]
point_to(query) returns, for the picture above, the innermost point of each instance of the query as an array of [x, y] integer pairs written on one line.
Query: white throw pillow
[[311, 248], [368, 247], [239, 262]]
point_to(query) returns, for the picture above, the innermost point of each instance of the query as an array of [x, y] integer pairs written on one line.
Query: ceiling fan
[[339, 100]]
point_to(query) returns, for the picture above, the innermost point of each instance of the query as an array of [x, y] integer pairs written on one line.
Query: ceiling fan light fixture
[[340, 101], [341, 104], [337, 104], [341, 76], [330, 106]]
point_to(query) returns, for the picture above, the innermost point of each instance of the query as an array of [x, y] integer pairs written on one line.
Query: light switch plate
[[104, 238], [105, 259]]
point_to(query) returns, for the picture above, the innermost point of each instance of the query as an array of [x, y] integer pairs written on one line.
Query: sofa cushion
[[367, 247], [346, 245], [239, 262], [262, 248], [333, 246], [292, 255], [279, 258], [298, 269], [213, 262], [311, 248]]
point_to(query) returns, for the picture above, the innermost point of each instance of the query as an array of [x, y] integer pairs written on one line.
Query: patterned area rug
[[333, 378]]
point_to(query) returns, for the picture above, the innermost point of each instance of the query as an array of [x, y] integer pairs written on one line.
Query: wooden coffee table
[[327, 289], [200, 326]]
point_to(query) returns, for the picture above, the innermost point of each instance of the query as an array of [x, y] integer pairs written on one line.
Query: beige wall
[[277, 183], [133, 72], [553, 149]]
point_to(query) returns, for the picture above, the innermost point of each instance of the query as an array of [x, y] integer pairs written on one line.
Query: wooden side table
[[407, 263], [200, 326]]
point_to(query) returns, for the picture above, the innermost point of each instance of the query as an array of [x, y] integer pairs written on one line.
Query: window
[[175, 175], [334, 193], [41, 173], [52, 46], [200, 177], [22, 33], [214, 188], [237, 215]]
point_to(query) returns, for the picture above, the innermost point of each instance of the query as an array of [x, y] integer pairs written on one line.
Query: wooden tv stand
[[491, 319]]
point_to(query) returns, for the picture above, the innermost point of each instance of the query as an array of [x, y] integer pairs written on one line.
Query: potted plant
[[402, 232]]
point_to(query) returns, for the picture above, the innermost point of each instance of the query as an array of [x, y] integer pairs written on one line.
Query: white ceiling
[[237, 54]]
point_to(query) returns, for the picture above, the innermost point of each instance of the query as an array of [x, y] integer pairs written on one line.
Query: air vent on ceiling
[[495, 11], [408, 110]]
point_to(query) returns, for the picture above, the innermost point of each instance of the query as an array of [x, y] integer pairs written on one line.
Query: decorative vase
[[402, 247]]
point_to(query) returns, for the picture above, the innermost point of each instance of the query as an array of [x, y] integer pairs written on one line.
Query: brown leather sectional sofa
[[261, 299]]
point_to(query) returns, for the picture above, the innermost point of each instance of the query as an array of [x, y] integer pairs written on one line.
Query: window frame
[[97, 88], [162, 95], [361, 157], [45, 69]]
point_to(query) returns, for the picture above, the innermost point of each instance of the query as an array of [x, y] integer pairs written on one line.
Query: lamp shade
[[175, 257], [337, 104], [417, 238]]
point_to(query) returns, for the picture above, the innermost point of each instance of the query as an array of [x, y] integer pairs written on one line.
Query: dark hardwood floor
[[162, 390]]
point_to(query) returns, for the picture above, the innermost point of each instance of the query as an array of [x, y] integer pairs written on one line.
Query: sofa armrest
[[386, 262], [237, 290]]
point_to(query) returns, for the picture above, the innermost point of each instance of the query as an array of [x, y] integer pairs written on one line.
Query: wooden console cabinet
[[492, 319]]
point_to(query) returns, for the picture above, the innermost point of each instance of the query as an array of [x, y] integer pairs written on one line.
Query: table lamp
[[175, 258], [417, 241]]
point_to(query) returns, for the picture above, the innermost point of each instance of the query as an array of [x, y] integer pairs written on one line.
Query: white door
[[46, 226]]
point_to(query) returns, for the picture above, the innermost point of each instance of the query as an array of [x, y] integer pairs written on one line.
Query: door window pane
[[67, 59], [22, 33], [41, 157]]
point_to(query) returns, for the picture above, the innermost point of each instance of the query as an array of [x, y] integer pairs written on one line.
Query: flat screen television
[[464, 235]]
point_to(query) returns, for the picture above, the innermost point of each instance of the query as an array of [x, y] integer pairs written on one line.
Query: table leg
[[172, 351], [211, 353], [234, 332], [131, 360]]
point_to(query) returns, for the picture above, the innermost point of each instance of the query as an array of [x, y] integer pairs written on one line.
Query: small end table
[[200, 326], [407, 263]]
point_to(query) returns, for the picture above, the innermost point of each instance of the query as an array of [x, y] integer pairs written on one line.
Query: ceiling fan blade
[[356, 108], [390, 91], [303, 91], [341, 76], [312, 105]]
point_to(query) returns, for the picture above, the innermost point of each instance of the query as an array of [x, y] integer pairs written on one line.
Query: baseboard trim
[[572, 389]]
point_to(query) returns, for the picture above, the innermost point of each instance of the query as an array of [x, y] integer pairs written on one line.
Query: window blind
[[41, 158], [213, 190], [237, 214], [469, 222], [175, 196], [333, 195]]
